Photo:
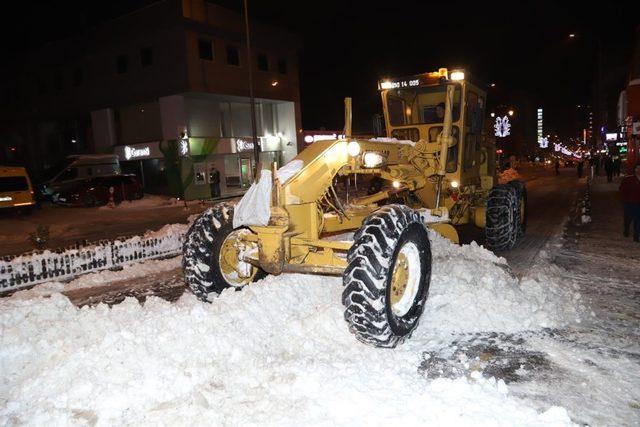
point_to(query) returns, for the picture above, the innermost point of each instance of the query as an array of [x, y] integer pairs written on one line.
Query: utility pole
[[254, 131]]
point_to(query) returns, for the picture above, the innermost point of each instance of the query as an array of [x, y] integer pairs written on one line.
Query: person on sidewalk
[[608, 167], [580, 168], [630, 195]]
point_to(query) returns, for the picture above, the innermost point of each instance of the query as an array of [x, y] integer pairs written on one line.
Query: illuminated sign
[[242, 145], [543, 142], [612, 137], [134, 153], [502, 127], [540, 127]]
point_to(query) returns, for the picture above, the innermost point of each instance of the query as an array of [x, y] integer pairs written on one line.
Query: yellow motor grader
[[435, 170]]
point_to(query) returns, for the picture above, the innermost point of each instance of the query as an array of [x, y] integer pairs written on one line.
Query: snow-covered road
[[550, 348]]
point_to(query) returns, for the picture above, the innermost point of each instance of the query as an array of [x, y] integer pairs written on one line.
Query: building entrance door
[[246, 172]]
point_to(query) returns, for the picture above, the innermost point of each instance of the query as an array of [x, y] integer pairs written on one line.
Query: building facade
[[175, 70]]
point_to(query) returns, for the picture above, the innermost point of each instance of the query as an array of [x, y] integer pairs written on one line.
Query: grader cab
[[433, 171]]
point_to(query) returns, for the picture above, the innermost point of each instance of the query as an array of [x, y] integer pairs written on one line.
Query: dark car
[[96, 191]]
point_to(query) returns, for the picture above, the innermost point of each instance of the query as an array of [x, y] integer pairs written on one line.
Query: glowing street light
[[511, 112], [572, 36]]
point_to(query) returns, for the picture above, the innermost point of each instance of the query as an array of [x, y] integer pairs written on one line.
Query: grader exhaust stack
[[433, 171]]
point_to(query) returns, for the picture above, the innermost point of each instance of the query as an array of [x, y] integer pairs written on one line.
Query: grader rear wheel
[[387, 277], [502, 218], [211, 256]]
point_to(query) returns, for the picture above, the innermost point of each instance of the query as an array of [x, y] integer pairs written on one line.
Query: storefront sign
[[148, 150], [242, 145], [134, 153], [612, 136]]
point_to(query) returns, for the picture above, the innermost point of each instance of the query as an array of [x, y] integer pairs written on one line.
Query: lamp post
[[252, 102]]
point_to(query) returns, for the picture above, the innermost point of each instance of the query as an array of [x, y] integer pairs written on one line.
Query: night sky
[[349, 46]]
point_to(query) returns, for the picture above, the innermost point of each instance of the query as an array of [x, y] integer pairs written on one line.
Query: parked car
[[15, 189], [76, 169], [96, 191]]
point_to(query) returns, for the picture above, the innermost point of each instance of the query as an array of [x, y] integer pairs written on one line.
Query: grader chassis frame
[[386, 269]]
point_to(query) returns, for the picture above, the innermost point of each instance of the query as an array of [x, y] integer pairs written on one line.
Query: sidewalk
[[601, 240]]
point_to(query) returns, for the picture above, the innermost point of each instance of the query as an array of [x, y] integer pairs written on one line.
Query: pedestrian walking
[[608, 167], [557, 167], [617, 165], [580, 168], [630, 195]]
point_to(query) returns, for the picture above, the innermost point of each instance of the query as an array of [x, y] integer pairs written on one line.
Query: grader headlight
[[457, 75], [371, 159], [353, 148]]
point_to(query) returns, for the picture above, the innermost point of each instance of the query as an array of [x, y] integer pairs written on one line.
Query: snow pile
[[277, 353], [508, 175], [473, 290], [393, 140]]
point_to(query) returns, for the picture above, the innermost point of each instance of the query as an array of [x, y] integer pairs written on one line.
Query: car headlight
[[353, 148], [373, 160]]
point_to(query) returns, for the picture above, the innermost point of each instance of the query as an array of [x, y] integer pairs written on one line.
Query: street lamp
[[510, 112]]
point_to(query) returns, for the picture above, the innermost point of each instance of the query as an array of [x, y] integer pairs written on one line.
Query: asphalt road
[[550, 201]]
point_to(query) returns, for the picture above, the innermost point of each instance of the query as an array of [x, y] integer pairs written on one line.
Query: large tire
[[201, 249], [392, 237], [501, 228], [521, 212]]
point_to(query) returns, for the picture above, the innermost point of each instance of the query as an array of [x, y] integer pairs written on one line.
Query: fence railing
[[26, 270]]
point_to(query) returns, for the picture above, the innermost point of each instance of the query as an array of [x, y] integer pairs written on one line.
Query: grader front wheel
[[387, 277], [211, 255]]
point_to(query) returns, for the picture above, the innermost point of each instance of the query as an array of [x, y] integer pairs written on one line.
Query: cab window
[[423, 105]]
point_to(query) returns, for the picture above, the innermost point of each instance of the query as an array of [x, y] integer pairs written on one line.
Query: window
[[146, 56], [13, 183], [122, 63], [233, 56], [263, 62], [205, 49], [282, 66], [420, 105], [67, 175], [452, 153], [77, 76]]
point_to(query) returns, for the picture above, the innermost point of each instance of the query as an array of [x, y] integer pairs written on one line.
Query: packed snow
[[276, 353]]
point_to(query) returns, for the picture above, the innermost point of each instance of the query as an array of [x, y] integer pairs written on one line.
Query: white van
[[78, 167]]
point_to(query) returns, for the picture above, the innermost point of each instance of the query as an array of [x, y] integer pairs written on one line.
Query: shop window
[[263, 62], [205, 49], [122, 64], [282, 66], [233, 56], [146, 56], [232, 171]]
